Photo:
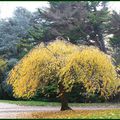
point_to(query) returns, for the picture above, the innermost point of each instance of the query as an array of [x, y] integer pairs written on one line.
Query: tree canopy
[[65, 64]]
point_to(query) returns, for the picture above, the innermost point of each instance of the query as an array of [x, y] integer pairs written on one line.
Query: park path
[[13, 111]]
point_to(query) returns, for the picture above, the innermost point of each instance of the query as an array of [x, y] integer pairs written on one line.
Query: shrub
[[3, 66]]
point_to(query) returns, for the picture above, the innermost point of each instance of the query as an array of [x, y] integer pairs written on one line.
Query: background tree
[[115, 39], [39, 30], [12, 30], [80, 21], [65, 65]]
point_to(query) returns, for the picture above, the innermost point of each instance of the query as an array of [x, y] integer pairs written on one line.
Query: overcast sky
[[7, 7]]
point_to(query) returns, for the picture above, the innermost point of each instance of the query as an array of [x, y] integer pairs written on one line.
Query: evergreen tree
[[83, 21]]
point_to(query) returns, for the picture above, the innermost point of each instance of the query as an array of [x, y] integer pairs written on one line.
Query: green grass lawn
[[41, 103]]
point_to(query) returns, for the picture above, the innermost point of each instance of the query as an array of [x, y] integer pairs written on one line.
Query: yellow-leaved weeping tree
[[65, 64]]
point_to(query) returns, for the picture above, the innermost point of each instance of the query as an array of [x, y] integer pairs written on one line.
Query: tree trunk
[[98, 31], [63, 99], [64, 103], [102, 44], [99, 39]]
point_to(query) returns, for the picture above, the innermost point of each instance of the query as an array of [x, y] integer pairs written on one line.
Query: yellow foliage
[[63, 62], [91, 67]]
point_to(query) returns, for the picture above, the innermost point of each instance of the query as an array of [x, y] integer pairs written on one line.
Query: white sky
[[7, 7], [114, 6]]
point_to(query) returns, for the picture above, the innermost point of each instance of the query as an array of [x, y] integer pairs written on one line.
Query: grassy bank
[[42, 103]]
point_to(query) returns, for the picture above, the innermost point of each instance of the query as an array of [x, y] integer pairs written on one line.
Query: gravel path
[[12, 110]]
